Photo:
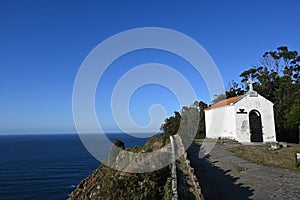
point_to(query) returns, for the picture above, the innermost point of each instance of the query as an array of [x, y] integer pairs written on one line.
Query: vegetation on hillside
[[107, 183]]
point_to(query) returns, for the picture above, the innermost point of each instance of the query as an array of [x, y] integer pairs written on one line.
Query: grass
[[213, 141], [240, 169], [282, 158]]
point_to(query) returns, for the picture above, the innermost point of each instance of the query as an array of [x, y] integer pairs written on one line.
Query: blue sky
[[43, 44]]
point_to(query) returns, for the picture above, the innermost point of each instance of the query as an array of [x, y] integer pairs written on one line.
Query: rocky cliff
[[107, 183]]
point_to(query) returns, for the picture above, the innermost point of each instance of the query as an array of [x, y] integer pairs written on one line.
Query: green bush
[[168, 189]]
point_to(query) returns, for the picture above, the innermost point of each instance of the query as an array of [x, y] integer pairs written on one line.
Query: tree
[[190, 118], [189, 122], [233, 91], [171, 124], [277, 79], [218, 98], [201, 132], [293, 116]]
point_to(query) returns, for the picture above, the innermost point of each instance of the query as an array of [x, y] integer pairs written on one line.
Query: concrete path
[[225, 176]]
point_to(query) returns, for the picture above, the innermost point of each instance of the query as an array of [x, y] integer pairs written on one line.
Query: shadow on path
[[214, 181]]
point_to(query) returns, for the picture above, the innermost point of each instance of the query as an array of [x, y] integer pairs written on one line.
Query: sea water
[[46, 166]]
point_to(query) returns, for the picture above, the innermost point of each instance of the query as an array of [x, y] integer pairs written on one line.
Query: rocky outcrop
[[107, 183]]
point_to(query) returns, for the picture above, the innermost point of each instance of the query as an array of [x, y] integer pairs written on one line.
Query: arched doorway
[[255, 126]]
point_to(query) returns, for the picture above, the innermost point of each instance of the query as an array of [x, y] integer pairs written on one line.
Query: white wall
[[265, 108], [225, 123], [242, 125], [220, 122]]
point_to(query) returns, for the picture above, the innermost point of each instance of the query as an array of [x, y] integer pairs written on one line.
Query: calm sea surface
[[46, 166]]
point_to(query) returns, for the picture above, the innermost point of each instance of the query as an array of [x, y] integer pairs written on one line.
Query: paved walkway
[[225, 176]]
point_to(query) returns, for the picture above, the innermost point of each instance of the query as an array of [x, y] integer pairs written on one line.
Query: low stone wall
[[173, 171], [191, 171], [193, 177]]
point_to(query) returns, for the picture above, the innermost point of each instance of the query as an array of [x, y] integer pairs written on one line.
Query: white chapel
[[247, 118]]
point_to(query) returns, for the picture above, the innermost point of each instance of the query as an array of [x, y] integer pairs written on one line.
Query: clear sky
[[43, 44]]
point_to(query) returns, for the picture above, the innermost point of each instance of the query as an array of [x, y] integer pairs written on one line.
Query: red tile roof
[[225, 102]]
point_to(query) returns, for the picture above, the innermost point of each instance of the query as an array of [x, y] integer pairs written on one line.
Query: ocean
[[46, 166]]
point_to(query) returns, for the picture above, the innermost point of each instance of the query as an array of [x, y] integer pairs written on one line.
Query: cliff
[[107, 183]]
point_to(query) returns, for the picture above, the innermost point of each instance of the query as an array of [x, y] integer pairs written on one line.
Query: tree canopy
[[277, 78], [184, 121]]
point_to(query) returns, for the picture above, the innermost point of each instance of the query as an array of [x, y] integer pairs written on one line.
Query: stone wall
[[191, 173], [173, 171]]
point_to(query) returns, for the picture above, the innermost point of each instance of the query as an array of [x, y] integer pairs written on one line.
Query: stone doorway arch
[[256, 134]]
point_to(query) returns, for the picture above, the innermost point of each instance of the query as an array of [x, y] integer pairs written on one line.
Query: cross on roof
[[250, 82]]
